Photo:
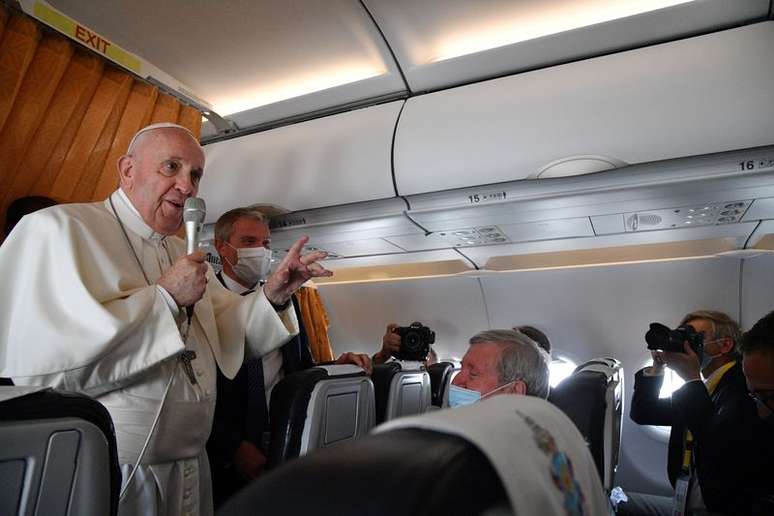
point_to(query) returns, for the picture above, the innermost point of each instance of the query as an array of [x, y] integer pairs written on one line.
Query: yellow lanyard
[[711, 383]]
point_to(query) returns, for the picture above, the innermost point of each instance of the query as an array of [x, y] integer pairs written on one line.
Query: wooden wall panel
[[67, 115]]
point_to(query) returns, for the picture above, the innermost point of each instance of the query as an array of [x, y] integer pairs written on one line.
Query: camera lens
[[412, 341]]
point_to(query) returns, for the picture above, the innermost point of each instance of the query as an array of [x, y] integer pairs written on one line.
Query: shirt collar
[[131, 218], [233, 286]]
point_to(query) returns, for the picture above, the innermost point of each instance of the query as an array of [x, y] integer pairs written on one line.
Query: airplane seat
[[319, 407], [592, 397], [401, 389], [440, 378], [58, 454], [400, 472]]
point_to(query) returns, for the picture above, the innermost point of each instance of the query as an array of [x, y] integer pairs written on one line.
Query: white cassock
[[76, 313]]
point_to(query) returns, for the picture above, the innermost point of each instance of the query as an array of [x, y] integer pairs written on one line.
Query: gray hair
[[224, 227], [723, 327], [520, 359]]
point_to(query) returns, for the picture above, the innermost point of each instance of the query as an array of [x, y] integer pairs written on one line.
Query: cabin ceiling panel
[[637, 106], [241, 54], [440, 43], [334, 160]]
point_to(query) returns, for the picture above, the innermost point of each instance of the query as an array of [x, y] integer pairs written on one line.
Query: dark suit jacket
[[230, 428], [733, 457]]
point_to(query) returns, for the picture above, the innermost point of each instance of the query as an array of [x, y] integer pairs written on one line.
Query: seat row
[[322, 407]]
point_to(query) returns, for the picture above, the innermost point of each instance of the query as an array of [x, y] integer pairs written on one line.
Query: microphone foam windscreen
[[194, 210]]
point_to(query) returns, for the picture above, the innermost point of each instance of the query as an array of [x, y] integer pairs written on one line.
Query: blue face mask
[[459, 396]]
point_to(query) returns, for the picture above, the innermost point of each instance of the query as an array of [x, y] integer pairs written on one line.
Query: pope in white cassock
[[93, 301]]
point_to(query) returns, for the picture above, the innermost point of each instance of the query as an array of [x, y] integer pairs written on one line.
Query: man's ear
[[518, 387], [125, 171]]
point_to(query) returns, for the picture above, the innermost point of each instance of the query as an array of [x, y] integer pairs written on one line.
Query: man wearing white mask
[[500, 362], [238, 444]]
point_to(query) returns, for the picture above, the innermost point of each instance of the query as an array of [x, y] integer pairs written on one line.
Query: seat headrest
[[52, 404], [402, 472], [288, 408], [439, 379], [382, 378]]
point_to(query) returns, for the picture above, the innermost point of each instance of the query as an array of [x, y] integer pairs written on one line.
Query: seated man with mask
[[237, 445], [500, 362]]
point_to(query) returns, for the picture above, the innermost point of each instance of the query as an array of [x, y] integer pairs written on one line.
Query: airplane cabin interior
[[585, 167]]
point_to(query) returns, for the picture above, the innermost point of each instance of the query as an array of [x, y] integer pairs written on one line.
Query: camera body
[[415, 341], [660, 337]]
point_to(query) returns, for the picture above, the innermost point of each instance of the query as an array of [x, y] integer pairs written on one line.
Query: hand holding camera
[[415, 341], [679, 349]]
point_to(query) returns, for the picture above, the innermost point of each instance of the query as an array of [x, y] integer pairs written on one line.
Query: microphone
[[194, 211]]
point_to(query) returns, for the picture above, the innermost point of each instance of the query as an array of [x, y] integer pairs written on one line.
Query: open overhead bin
[[339, 159], [695, 96]]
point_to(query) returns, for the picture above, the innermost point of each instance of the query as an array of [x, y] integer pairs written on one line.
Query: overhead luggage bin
[[339, 159], [690, 97], [243, 60], [443, 43]]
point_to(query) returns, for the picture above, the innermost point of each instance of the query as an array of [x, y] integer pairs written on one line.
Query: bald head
[[161, 169]]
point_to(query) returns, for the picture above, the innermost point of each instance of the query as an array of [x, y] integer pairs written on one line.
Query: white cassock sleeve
[[70, 317], [248, 326]]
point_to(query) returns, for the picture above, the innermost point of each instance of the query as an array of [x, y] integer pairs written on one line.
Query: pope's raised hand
[[186, 279], [293, 271]]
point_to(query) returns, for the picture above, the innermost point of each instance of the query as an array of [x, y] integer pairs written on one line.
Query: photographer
[[712, 456], [391, 346]]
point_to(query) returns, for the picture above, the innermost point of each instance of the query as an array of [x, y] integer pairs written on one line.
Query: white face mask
[[253, 264], [706, 358]]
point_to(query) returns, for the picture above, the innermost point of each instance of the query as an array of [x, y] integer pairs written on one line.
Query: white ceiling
[[270, 60]]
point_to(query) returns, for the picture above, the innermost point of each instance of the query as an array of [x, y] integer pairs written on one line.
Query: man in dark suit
[[714, 450], [238, 444]]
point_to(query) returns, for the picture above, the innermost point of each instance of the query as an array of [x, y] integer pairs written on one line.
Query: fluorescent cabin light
[[540, 18], [295, 87]]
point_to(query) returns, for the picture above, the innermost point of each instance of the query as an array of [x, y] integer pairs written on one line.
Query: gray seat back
[[592, 397], [317, 408], [402, 389], [57, 456]]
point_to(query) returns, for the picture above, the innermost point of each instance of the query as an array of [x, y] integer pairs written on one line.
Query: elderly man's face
[[479, 368], [163, 171], [759, 370]]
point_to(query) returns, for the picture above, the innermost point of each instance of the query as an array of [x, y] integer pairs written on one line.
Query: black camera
[[415, 341], [660, 337]]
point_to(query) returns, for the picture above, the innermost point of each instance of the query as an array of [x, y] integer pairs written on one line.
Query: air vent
[[481, 235], [710, 214]]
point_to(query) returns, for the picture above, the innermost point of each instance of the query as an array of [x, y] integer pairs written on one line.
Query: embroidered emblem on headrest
[[561, 467]]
